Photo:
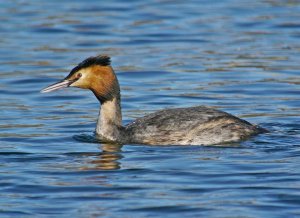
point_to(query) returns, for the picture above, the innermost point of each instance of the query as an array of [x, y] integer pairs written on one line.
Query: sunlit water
[[238, 56]]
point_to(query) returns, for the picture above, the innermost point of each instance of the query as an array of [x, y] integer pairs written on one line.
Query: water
[[239, 56]]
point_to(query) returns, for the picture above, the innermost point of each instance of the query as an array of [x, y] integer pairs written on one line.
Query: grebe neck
[[109, 124]]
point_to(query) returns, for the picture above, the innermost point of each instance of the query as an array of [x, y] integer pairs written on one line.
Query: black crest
[[101, 60]]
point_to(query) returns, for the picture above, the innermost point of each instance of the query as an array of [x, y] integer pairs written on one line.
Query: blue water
[[239, 56]]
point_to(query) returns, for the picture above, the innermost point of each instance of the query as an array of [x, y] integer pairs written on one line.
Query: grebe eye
[[79, 75]]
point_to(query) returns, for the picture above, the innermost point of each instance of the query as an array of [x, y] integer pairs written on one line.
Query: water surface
[[238, 56]]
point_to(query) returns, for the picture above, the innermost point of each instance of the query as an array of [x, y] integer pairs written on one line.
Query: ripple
[[49, 30], [168, 209]]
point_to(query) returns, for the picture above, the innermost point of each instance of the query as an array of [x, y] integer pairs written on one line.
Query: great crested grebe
[[177, 126]]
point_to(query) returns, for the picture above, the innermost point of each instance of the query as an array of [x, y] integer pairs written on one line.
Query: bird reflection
[[108, 159]]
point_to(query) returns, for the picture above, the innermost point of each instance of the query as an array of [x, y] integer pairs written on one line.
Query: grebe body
[[189, 126]]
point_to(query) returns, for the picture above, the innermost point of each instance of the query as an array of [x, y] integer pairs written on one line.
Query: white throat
[[109, 122]]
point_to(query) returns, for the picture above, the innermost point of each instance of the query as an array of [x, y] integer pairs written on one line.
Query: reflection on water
[[238, 56], [108, 159]]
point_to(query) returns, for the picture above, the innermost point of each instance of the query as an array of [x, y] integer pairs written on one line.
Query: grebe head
[[94, 73]]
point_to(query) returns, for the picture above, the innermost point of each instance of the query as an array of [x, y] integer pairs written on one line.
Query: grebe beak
[[58, 85]]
